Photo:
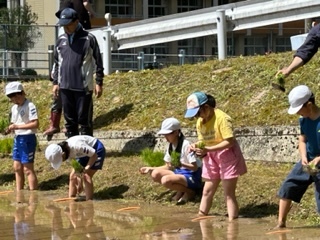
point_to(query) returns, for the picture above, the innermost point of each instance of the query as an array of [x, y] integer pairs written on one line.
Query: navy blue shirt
[[310, 47], [311, 129]]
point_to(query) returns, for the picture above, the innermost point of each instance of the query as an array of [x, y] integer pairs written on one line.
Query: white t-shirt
[[22, 115], [185, 156], [81, 146]]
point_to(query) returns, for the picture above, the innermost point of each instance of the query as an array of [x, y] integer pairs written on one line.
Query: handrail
[[203, 22]]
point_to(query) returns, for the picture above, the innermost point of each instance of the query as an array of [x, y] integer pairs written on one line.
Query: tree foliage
[[19, 28]]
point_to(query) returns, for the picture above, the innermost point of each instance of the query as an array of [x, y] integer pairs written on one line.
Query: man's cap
[[54, 155], [169, 125], [194, 101], [67, 16], [13, 87], [297, 97]]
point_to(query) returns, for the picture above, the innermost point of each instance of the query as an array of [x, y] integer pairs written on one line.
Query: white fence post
[[222, 34]]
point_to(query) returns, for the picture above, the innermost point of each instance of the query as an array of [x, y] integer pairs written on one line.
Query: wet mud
[[38, 215]]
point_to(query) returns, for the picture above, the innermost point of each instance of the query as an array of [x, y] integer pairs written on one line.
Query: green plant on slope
[[152, 158]]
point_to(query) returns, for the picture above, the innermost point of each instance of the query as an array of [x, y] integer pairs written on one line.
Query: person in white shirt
[[24, 123], [88, 151]]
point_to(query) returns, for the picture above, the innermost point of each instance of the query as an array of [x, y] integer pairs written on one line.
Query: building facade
[[273, 38]]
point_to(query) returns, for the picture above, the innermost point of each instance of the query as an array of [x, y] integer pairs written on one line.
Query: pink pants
[[224, 164]]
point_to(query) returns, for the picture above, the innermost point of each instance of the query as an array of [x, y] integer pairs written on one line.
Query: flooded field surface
[[45, 215]]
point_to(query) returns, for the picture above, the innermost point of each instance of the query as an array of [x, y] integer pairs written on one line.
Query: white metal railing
[[203, 22]]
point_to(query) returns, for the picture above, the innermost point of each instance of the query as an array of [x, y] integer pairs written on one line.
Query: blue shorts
[[101, 152], [297, 183], [194, 179], [24, 148]]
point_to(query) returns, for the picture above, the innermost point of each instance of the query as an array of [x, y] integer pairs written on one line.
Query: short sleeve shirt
[[81, 146], [311, 130], [218, 128], [185, 156], [23, 115]]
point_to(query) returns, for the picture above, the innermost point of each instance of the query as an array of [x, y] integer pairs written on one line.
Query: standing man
[[76, 56], [82, 7], [85, 12]]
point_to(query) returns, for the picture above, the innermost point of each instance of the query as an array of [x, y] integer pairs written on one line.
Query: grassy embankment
[[141, 100]]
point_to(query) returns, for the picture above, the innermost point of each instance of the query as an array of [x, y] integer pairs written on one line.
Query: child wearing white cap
[[88, 151], [222, 158], [186, 178], [24, 123], [302, 102]]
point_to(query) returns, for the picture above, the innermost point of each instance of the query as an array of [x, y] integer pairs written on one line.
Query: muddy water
[[37, 215]]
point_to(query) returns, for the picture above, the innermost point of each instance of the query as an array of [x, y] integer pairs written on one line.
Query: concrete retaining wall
[[278, 143]]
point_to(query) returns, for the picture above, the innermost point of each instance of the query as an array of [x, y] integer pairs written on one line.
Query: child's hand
[[145, 170]]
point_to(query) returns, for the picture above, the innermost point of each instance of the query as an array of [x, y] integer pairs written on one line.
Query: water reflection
[[34, 215], [24, 217], [80, 224], [209, 227]]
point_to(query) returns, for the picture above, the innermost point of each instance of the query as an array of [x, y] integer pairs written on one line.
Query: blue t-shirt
[[311, 129]]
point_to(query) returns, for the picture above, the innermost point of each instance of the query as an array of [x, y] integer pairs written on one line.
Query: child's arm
[[145, 170], [191, 166], [226, 143], [30, 125], [303, 149], [91, 161]]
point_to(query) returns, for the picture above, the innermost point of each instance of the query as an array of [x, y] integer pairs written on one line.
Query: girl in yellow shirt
[[222, 158]]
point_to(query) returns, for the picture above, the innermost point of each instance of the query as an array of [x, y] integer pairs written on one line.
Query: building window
[[193, 49], [119, 8], [283, 44], [156, 8], [189, 5], [255, 45], [3, 3]]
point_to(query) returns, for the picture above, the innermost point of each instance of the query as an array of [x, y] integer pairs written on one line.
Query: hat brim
[[64, 21], [164, 131], [57, 164], [191, 112], [294, 110], [13, 91]]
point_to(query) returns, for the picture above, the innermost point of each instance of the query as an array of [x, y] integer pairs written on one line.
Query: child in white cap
[[302, 102], [88, 151], [186, 178], [24, 123], [222, 158]]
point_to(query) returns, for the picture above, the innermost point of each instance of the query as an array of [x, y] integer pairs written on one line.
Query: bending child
[[302, 102], [222, 158], [184, 178], [88, 151], [24, 123]]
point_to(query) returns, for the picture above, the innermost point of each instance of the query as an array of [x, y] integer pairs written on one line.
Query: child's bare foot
[[177, 196], [202, 213], [280, 225]]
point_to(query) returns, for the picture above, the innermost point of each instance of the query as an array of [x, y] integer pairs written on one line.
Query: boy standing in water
[[302, 102], [24, 123]]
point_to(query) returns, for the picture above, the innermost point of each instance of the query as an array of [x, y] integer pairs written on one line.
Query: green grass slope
[[141, 100]]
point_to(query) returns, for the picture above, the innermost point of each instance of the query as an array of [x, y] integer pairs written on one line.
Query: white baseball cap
[[169, 125], [54, 155], [13, 87], [297, 97]]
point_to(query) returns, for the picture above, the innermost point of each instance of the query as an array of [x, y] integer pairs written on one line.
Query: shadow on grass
[[114, 115], [147, 140], [55, 183], [259, 211], [6, 177], [112, 192]]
